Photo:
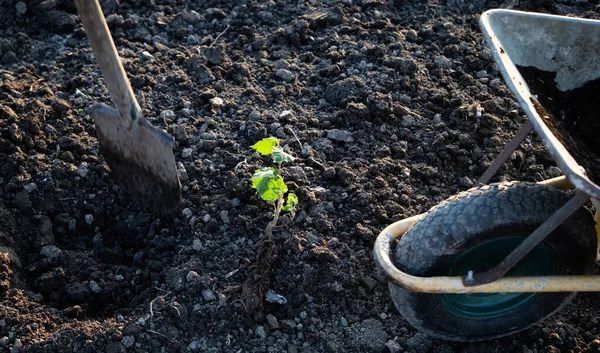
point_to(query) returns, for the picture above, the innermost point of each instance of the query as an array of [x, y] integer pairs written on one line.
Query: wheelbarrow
[[500, 257]]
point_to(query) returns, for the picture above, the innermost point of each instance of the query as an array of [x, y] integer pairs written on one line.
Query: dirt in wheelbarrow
[[388, 106], [573, 116]]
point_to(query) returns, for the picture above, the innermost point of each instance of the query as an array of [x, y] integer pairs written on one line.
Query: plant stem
[[273, 223]]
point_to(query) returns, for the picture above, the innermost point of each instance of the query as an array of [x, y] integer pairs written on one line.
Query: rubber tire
[[475, 216]]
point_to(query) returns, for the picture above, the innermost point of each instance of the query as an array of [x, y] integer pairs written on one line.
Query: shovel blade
[[141, 156]]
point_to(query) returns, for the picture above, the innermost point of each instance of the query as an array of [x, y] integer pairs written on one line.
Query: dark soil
[[573, 116], [389, 106]]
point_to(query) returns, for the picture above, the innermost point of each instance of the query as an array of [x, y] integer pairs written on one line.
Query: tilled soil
[[389, 107]]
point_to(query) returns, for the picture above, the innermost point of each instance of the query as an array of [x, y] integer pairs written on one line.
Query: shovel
[[139, 154]]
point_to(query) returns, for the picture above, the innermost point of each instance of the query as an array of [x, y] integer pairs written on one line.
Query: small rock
[[408, 121], [83, 170], [182, 172], [393, 346], [285, 75], [147, 56], [197, 245], [273, 297], [343, 322], [272, 321], [208, 295], [192, 40], [89, 219], [128, 341], [50, 251], [119, 278], [186, 153], [217, 103], [442, 62], [192, 276], [260, 332], [286, 115], [120, 318], [187, 213], [206, 218], [370, 335], [21, 8], [16, 348], [31, 187], [340, 135], [95, 287]]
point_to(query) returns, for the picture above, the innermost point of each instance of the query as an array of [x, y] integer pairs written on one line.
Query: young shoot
[[268, 182]]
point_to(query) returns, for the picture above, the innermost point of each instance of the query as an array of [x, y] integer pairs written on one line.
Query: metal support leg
[[528, 244], [523, 131]]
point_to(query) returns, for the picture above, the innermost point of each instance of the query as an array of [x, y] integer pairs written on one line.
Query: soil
[[389, 106], [573, 116]]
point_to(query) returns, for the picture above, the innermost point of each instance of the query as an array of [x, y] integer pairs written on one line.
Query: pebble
[[186, 153], [285, 75], [343, 322], [16, 348], [286, 115], [393, 346], [182, 172], [147, 56], [120, 318], [208, 295], [95, 287], [119, 278], [260, 332], [31, 187], [89, 219], [21, 8], [51, 251], [187, 213], [197, 245], [128, 341], [442, 62], [303, 315], [273, 297], [217, 103], [192, 40], [206, 218], [272, 321], [340, 135]]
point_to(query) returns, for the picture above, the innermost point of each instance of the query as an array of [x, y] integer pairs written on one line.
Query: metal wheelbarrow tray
[[546, 61]]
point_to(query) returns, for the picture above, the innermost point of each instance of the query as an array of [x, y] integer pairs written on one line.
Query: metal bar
[[454, 284], [528, 244], [523, 131]]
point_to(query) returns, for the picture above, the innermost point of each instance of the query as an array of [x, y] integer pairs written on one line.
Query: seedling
[[268, 182]]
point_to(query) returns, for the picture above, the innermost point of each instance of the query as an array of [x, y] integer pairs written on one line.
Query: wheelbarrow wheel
[[476, 229]]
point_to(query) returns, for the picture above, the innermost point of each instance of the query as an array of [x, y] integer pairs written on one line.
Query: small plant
[[268, 182], [270, 186]]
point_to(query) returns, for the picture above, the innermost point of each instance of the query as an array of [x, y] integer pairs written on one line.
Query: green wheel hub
[[540, 261]]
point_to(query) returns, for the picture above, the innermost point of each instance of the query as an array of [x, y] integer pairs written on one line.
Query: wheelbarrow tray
[[568, 47]]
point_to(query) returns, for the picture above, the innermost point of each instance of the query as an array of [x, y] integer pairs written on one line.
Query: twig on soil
[[153, 300], [407, 110], [219, 36], [295, 136]]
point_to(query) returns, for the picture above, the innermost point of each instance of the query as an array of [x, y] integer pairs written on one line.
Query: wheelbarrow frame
[[574, 178]]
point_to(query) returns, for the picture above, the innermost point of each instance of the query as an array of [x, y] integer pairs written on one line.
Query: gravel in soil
[[389, 107]]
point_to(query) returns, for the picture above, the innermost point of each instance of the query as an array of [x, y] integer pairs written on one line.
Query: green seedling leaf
[[290, 204], [266, 145], [268, 184], [261, 174], [280, 156]]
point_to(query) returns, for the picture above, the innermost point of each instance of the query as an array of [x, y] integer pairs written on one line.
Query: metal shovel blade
[[141, 156]]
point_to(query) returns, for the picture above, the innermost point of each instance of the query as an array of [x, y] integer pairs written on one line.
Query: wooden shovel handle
[[108, 59]]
